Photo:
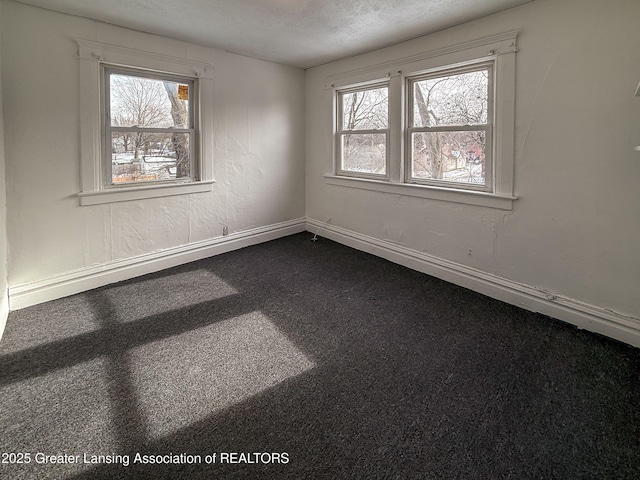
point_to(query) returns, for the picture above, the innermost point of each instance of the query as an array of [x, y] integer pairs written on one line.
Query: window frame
[[500, 50], [94, 58], [109, 129], [487, 127], [341, 131]]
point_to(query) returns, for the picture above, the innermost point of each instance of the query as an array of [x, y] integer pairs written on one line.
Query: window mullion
[[394, 145], [108, 164]]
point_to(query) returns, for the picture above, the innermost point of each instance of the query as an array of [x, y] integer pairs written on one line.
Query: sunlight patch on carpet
[[187, 377]]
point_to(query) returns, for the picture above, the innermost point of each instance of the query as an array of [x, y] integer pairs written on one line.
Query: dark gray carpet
[[348, 366]]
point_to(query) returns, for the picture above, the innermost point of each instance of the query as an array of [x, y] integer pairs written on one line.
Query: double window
[[430, 127]]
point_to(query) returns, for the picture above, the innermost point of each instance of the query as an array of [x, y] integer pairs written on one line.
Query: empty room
[[298, 239]]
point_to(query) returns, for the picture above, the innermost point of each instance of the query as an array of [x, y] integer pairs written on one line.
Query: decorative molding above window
[[450, 115], [107, 172]]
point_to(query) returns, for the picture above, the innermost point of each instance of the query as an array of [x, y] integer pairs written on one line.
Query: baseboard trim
[[21, 296], [588, 317], [4, 310]]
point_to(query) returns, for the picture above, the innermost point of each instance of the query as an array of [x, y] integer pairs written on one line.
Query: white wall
[[258, 163], [575, 229], [4, 299]]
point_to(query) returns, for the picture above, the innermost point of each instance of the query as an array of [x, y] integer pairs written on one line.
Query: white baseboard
[[589, 317], [21, 296], [4, 310]]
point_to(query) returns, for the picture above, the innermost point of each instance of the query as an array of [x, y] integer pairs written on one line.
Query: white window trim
[[190, 129], [341, 131], [499, 49], [454, 195], [92, 56], [487, 127]]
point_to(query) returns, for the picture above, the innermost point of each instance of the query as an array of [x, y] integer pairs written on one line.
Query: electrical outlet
[[225, 230]]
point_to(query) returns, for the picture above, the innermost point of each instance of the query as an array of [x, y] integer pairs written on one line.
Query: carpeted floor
[[303, 360]]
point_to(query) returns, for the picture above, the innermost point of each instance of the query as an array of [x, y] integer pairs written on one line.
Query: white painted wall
[[573, 232], [258, 165], [575, 229], [4, 298]]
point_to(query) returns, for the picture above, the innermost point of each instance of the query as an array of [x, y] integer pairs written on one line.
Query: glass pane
[[148, 102], [366, 110], [148, 157], [460, 99], [365, 153], [449, 156]]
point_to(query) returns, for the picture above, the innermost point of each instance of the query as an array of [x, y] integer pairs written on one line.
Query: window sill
[[469, 197], [139, 192]]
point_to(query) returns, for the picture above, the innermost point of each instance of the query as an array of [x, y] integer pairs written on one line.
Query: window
[[146, 124], [449, 133], [363, 116], [434, 125], [149, 127]]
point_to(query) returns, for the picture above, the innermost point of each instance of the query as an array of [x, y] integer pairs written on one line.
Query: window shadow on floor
[[353, 366]]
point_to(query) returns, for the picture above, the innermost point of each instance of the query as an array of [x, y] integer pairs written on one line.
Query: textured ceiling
[[303, 33]]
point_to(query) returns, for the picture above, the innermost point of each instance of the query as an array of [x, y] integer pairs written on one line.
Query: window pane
[[365, 153], [460, 99], [366, 110], [145, 157], [147, 102], [449, 156]]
